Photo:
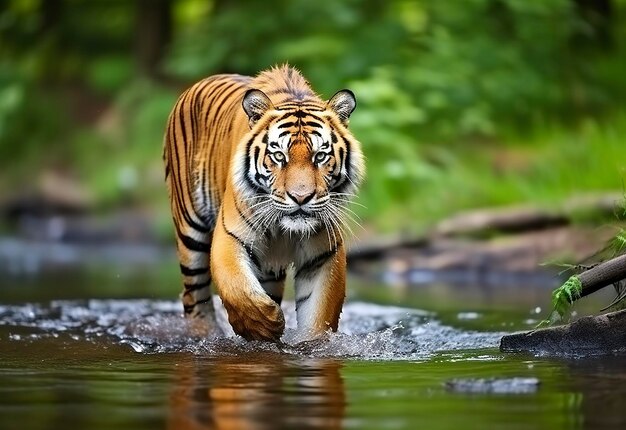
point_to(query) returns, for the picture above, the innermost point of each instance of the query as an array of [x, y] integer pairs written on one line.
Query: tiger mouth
[[299, 213], [299, 221]]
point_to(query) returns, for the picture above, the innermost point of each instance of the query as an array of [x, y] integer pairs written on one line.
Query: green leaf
[[566, 294]]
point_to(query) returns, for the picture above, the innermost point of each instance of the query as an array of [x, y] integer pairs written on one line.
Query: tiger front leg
[[320, 291], [251, 312]]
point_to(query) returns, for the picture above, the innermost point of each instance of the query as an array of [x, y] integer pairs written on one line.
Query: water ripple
[[366, 331]]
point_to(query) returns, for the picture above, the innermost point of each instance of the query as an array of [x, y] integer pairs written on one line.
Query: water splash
[[366, 331]]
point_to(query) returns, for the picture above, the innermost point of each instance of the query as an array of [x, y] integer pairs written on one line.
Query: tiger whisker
[[350, 218], [327, 228], [353, 215], [340, 214]]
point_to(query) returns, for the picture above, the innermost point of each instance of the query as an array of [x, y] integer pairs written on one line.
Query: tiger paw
[[259, 320]]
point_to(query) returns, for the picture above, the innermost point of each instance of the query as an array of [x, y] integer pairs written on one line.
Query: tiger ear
[[343, 104], [255, 104]]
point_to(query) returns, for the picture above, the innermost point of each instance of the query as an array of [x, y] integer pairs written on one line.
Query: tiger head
[[299, 166]]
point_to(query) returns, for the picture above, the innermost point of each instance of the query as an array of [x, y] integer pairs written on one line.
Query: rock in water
[[494, 385], [593, 335]]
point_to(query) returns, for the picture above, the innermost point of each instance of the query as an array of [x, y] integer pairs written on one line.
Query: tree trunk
[[153, 33]]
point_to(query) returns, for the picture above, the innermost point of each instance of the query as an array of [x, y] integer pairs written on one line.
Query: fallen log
[[592, 335], [508, 220], [601, 334], [602, 275], [527, 218]]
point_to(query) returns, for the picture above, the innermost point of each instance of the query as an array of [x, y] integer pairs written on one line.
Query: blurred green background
[[460, 104]]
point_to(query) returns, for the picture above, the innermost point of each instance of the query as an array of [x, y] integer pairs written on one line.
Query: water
[[128, 363]]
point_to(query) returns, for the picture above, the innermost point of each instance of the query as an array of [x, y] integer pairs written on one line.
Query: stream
[[107, 347]]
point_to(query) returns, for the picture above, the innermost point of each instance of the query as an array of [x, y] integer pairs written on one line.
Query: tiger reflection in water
[[260, 391]]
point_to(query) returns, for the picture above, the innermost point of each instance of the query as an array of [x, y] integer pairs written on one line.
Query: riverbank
[[482, 246]]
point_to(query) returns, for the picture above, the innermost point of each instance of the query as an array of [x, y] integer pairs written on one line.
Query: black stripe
[[189, 308], [299, 113], [196, 226], [347, 162], [198, 286], [241, 214], [188, 271], [246, 175], [203, 301], [339, 180], [226, 98], [342, 154], [203, 186], [173, 148], [287, 124], [216, 92], [220, 92], [315, 117], [253, 258], [301, 105], [253, 186], [192, 244], [258, 176], [302, 300], [177, 184], [315, 263]]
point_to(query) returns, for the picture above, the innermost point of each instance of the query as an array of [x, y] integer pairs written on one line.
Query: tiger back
[[259, 173]]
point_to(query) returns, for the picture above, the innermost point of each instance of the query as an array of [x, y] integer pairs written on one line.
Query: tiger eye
[[320, 157], [279, 156]]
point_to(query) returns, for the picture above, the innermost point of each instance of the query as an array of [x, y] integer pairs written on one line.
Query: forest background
[[461, 104]]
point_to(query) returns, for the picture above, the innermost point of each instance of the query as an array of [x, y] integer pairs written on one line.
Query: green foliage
[[428, 75], [460, 104], [146, 106], [566, 294], [534, 168], [132, 148], [467, 68], [617, 245], [109, 73], [27, 120], [562, 300]]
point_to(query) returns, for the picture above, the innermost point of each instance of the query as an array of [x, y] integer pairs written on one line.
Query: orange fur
[[258, 172]]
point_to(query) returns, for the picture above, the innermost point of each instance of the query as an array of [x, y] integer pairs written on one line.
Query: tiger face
[[299, 165]]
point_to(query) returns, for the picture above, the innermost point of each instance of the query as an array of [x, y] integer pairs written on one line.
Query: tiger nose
[[301, 197]]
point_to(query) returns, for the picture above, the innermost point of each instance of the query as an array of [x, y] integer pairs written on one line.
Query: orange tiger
[[259, 172]]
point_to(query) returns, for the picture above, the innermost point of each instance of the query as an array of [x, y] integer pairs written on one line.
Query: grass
[[542, 168]]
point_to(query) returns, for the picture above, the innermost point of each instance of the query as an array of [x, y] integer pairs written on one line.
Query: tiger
[[259, 172]]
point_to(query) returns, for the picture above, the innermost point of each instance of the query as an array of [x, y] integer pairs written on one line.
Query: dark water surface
[[69, 360]]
